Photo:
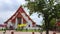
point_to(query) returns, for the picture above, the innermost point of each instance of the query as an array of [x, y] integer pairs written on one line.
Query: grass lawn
[[24, 30], [2, 29], [29, 30]]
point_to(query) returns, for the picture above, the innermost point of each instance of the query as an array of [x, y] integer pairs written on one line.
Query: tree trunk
[[47, 28], [47, 25], [47, 31]]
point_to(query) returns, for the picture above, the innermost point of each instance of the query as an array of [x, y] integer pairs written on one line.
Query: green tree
[[48, 8], [52, 24]]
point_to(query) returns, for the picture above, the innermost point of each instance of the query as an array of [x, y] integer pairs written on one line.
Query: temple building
[[20, 17]]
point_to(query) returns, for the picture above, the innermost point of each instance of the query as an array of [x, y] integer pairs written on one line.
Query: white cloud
[[9, 5], [5, 15], [8, 1], [36, 19], [21, 1]]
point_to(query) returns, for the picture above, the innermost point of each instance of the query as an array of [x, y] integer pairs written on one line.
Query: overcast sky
[[9, 7]]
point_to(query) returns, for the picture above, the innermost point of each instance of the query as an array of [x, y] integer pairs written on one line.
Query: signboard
[[21, 25]]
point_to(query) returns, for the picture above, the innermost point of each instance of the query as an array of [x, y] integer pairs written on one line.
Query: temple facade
[[20, 17]]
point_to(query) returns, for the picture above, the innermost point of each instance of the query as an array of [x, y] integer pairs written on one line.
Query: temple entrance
[[19, 20], [11, 27]]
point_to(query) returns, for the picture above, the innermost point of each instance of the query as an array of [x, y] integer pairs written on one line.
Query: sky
[[9, 7]]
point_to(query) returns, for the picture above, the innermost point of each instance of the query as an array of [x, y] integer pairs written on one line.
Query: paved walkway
[[15, 32]]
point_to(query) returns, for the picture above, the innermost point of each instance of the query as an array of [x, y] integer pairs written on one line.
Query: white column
[[9, 23], [22, 21], [16, 23]]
